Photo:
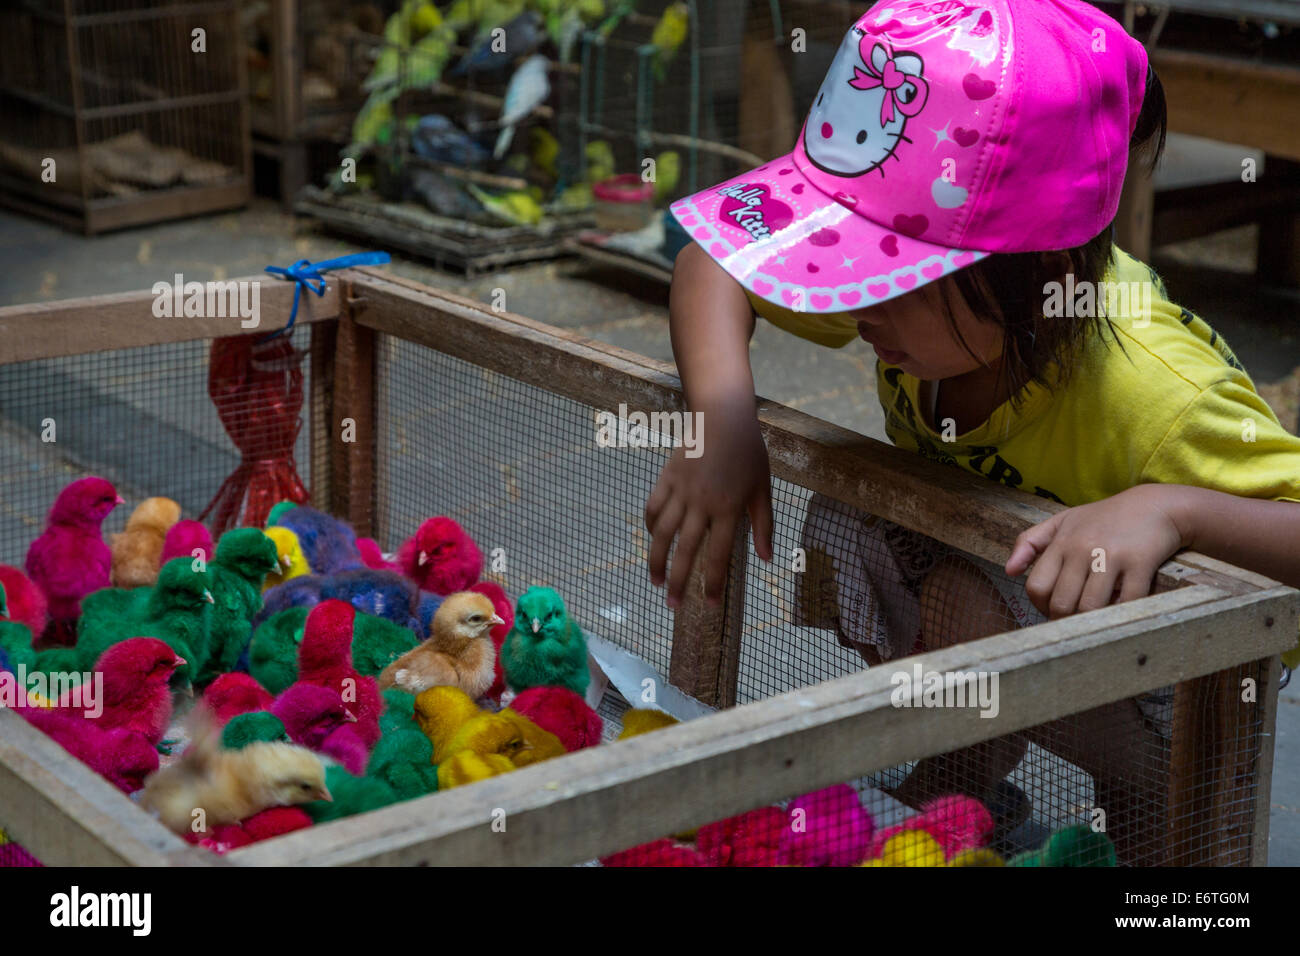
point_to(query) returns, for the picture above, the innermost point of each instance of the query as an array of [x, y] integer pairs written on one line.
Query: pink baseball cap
[[943, 131]]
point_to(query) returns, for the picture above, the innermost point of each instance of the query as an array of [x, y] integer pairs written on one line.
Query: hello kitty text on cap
[[942, 132]]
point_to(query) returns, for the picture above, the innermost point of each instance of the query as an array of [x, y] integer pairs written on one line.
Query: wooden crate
[[139, 126], [1206, 620]]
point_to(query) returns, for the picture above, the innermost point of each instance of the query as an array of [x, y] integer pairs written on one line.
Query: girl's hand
[[1108, 551], [709, 494]]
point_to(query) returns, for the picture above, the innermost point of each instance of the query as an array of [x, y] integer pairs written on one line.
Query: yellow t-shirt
[[1173, 406]]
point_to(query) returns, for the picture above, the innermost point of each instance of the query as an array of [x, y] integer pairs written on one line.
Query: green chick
[[273, 654], [258, 727], [403, 759], [279, 508], [377, 642], [545, 648], [399, 711], [243, 559]]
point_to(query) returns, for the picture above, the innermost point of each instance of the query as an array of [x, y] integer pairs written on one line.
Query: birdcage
[[307, 60], [494, 419], [118, 114], [730, 97], [438, 203]]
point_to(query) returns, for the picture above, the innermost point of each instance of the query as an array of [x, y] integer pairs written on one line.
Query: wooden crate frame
[[1206, 617]]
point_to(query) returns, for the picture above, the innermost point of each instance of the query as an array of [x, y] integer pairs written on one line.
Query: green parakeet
[[669, 34], [544, 150], [600, 161], [516, 208], [668, 173]]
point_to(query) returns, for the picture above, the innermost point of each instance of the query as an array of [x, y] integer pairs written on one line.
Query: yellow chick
[[440, 712], [976, 857], [638, 721], [909, 848], [469, 767], [509, 734], [231, 785], [291, 557], [137, 551]]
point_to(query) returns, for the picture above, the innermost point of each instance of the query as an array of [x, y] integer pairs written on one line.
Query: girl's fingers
[[659, 496], [1031, 543], [693, 528], [1136, 582], [760, 520], [722, 533], [1070, 582], [661, 538], [1042, 579], [1098, 587]]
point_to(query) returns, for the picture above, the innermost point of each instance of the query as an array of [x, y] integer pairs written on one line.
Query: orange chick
[[137, 551], [458, 653]]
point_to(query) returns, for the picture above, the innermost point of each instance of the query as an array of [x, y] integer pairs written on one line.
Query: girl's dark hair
[[1008, 287]]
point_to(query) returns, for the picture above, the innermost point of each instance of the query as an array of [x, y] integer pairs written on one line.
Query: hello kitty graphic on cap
[[943, 131]]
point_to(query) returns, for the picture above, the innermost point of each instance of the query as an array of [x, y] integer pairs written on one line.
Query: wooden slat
[[1268, 696], [705, 660], [125, 320], [352, 463], [604, 799], [1231, 100], [67, 815]]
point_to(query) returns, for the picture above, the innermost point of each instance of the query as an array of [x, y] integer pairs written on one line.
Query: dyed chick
[[22, 601], [325, 659], [277, 509], [399, 712], [292, 562], [233, 694], [545, 648], [560, 711], [121, 756], [403, 759], [186, 539], [459, 652], [377, 642], [273, 655], [136, 693], [311, 713], [258, 726], [232, 785], [440, 557], [835, 831], [440, 712], [175, 611], [137, 551], [352, 794], [327, 543], [372, 556], [70, 559], [244, 557]]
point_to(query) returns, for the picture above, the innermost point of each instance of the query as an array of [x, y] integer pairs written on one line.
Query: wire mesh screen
[[522, 470], [143, 418]]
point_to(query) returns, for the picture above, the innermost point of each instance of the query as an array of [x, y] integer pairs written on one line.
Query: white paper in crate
[[611, 664]]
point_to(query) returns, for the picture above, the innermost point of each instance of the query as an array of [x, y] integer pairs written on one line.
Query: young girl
[[951, 196]]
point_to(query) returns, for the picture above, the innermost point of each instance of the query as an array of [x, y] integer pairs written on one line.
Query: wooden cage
[[118, 115], [1206, 619]]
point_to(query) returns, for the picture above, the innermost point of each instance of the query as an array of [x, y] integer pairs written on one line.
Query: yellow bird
[[292, 559]]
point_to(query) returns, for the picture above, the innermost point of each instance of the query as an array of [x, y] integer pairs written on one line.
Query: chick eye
[[304, 786], [476, 618]]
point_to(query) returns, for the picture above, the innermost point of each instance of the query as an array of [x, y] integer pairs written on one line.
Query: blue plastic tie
[[308, 276]]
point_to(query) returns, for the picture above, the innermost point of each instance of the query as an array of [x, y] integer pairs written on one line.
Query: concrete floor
[[1211, 276]]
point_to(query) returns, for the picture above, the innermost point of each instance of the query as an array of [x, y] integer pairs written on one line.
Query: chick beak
[[324, 794], [120, 500], [207, 596], [286, 560], [424, 558], [179, 662], [350, 717], [497, 619], [537, 625]]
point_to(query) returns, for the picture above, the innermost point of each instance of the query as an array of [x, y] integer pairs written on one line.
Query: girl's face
[[913, 332]]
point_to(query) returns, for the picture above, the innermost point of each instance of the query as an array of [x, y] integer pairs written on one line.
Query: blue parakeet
[[528, 89]]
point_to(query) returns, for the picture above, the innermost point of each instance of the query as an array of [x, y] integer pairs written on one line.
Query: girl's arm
[[711, 322], [1085, 557]]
